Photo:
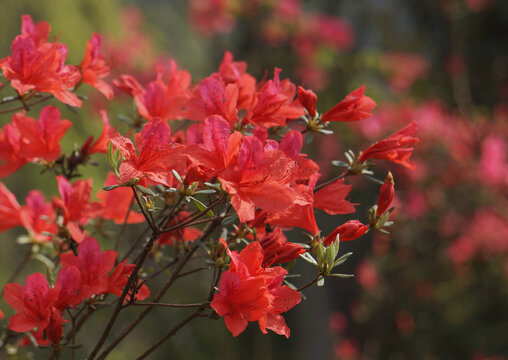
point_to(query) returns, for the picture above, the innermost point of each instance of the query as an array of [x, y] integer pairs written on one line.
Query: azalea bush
[[213, 171]]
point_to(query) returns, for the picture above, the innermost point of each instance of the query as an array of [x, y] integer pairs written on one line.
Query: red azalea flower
[[332, 198], [9, 209], [273, 105], [212, 148], [38, 216], [396, 148], [249, 292], [40, 139], [308, 100], [356, 106], [235, 72], [33, 303], [214, 97], [276, 248], [303, 174], [102, 142], [41, 69], [156, 157], [158, 99], [259, 179], [38, 32], [10, 150], [94, 67], [75, 205], [350, 230], [118, 279], [93, 266], [68, 287], [117, 203], [385, 195]]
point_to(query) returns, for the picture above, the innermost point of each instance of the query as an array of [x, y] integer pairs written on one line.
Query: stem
[[310, 283], [124, 225], [322, 185], [173, 331], [26, 106], [172, 305], [148, 218]]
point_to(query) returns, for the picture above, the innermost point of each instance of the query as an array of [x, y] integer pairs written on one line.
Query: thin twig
[[24, 106], [331, 181], [172, 305], [148, 218], [124, 225], [310, 283]]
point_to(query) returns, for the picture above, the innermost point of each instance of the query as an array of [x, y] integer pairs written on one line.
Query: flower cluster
[[82, 277], [222, 153]]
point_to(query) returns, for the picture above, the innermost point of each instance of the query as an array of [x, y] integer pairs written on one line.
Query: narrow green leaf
[[145, 190], [201, 206]]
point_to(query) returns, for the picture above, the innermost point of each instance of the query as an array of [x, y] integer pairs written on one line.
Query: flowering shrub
[[213, 169]]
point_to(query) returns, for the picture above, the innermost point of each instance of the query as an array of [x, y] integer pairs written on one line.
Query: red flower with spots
[[250, 292]]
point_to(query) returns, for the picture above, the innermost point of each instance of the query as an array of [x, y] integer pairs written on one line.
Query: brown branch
[[124, 225], [310, 283], [331, 181], [172, 305], [26, 106]]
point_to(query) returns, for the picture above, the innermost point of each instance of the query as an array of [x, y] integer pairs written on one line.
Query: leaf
[[201, 206], [339, 163], [321, 281], [177, 176], [342, 259], [145, 190], [308, 257], [206, 191], [373, 179], [344, 276], [110, 187], [43, 259]]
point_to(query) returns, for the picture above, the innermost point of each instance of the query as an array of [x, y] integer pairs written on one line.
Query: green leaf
[[206, 191], [308, 257], [342, 259], [145, 190], [201, 206], [110, 187], [339, 163], [344, 276], [373, 179], [43, 259], [177, 176]]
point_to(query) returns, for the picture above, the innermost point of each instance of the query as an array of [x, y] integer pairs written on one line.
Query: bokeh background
[[436, 287]]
